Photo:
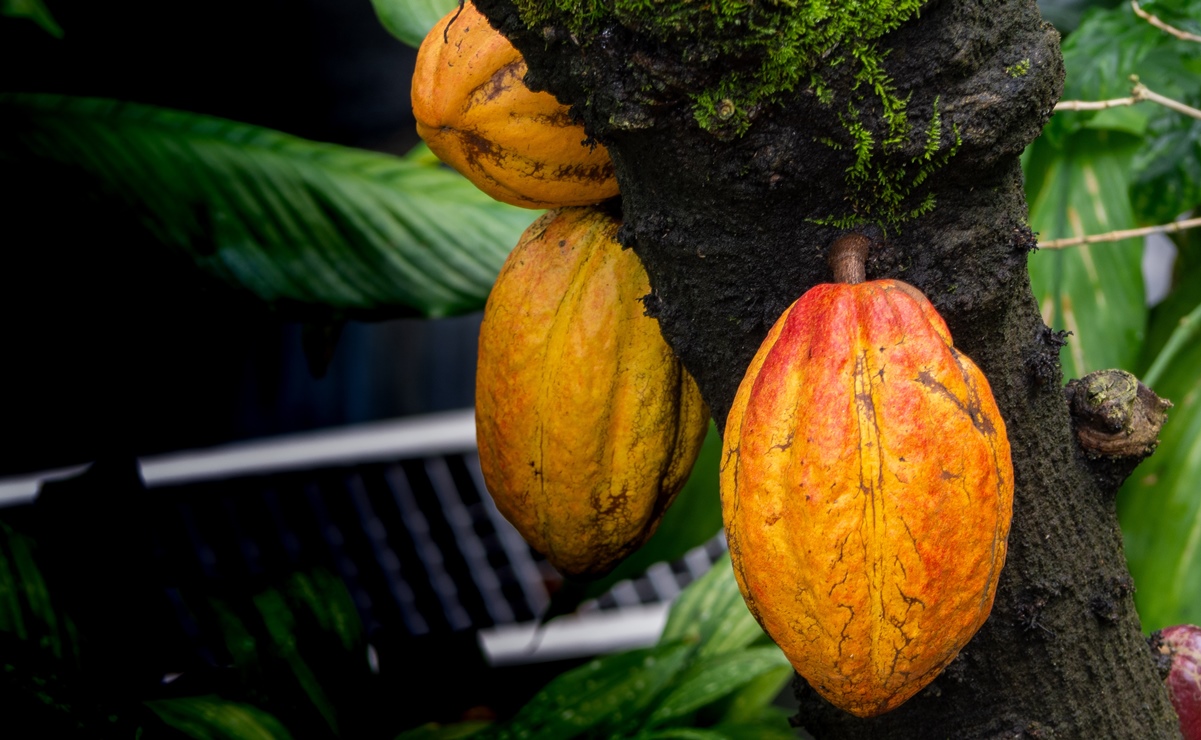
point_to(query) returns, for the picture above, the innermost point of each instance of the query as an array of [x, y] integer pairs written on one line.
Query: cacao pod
[[476, 114], [1183, 643], [867, 491], [587, 424]]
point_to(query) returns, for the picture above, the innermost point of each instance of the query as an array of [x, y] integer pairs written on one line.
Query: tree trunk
[[733, 228]]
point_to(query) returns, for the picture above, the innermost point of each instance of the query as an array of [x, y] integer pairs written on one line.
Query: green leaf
[[281, 626], [1112, 44], [1094, 291], [753, 700], [213, 718], [772, 727], [1159, 507], [716, 677], [26, 609], [712, 614], [1185, 334], [1100, 57], [11, 617], [1168, 182], [411, 20], [325, 596], [292, 221], [433, 731], [34, 10], [1181, 300], [685, 733], [33, 587], [606, 693], [239, 641]]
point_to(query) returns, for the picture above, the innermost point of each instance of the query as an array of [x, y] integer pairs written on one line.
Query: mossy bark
[[728, 229]]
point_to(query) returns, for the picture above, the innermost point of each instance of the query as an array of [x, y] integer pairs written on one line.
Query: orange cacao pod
[[476, 114], [867, 491], [587, 423]]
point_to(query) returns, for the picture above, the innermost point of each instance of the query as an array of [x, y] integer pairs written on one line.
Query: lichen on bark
[[732, 229]]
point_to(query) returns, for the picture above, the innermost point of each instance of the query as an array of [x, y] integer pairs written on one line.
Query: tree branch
[[1139, 94], [1117, 236], [1155, 21]]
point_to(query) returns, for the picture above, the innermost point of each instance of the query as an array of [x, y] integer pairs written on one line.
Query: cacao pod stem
[[848, 255]]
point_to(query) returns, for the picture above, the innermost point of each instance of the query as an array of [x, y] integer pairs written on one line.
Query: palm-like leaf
[[288, 219], [411, 20]]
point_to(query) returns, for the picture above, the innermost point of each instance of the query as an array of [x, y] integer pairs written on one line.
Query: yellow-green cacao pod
[[867, 491], [587, 423]]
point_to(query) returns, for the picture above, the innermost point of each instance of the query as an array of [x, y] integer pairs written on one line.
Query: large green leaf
[[773, 728], [34, 10], [607, 693], [326, 598], [298, 644], [753, 702], [288, 219], [1169, 171], [411, 20], [712, 666], [712, 613], [26, 609], [281, 626], [1094, 291], [717, 677], [214, 718], [1100, 57], [1159, 505]]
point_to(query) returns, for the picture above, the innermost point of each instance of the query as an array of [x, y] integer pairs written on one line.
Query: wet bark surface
[[726, 229]]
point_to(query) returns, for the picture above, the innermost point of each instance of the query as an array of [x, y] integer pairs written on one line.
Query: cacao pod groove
[[867, 492], [587, 423], [476, 114]]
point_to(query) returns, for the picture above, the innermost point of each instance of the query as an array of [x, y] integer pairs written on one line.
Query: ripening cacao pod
[[867, 491], [587, 423], [1183, 644], [476, 114]]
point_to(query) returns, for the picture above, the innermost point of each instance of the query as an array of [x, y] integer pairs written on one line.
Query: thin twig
[[1166, 102], [1138, 94], [1116, 236], [1076, 105], [1155, 21]]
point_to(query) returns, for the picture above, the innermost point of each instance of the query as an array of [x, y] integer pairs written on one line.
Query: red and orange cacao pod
[[587, 423], [867, 492], [1183, 643], [476, 114]]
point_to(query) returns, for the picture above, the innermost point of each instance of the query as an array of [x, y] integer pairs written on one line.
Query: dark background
[[111, 344]]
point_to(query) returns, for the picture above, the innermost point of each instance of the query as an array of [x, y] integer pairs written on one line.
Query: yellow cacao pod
[[867, 491], [476, 114], [587, 424]]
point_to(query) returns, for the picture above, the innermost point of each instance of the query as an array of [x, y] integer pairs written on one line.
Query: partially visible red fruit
[[1184, 681]]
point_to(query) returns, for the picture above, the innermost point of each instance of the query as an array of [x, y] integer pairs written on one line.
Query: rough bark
[[726, 229]]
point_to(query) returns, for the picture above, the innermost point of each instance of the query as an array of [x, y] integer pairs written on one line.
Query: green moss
[[772, 49], [1021, 69], [788, 42], [883, 189]]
